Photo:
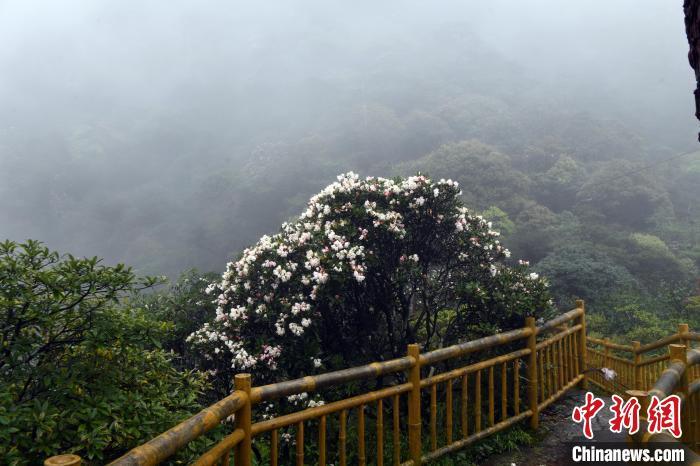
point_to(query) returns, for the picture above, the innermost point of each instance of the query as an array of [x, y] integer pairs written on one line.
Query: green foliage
[[624, 194], [649, 257], [500, 219], [81, 373], [487, 175], [582, 272], [556, 188]]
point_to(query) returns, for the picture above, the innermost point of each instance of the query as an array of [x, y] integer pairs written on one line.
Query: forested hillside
[[172, 139], [187, 175]]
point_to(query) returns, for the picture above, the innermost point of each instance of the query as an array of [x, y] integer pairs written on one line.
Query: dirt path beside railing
[[557, 428]]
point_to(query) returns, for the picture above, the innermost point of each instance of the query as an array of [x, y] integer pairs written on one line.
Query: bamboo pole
[[433, 417], [560, 368], [397, 430], [548, 370], [491, 398], [683, 329], [504, 391], [448, 421], [414, 421], [477, 404], [678, 353], [541, 380], [244, 450], [361, 458], [342, 436], [516, 386], [582, 342], [606, 363], [532, 373], [300, 444], [274, 445], [322, 441], [572, 358], [63, 460], [465, 406], [565, 359], [575, 349], [380, 433]]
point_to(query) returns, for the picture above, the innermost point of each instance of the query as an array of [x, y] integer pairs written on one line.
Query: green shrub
[[81, 372]]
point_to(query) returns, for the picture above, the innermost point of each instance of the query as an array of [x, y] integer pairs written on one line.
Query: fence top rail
[[558, 336], [646, 362], [163, 446], [560, 320], [312, 383], [658, 343], [691, 336], [611, 345], [467, 347]]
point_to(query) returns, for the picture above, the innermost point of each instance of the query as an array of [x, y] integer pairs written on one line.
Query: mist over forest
[[169, 138], [430, 172]]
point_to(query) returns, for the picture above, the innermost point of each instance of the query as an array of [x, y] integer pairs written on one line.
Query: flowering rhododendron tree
[[371, 265]]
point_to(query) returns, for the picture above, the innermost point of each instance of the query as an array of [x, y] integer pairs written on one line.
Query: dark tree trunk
[[691, 8]]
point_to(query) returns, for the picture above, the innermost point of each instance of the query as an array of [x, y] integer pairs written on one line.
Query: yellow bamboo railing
[[542, 368], [644, 373], [637, 366]]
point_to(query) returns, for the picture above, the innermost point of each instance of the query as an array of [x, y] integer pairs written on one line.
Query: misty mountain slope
[[176, 143]]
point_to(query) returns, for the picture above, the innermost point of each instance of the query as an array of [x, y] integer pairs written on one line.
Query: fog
[[172, 134]]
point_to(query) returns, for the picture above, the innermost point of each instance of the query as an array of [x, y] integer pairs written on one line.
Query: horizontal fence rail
[[442, 401]]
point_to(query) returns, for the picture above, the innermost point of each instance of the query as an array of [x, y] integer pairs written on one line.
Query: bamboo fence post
[[342, 435], [63, 460], [380, 433], [678, 353], [361, 458], [477, 402], [504, 391], [414, 415], [448, 414], [395, 431], [274, 446], [433, 417], [300, 444], [516, 386], [322, 441], [464, 406], [637, 369], [682, 329], [532, 373], [643, 399], [243, 421], [560, 369], [491, 398], [606, 363], [582, 345]]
